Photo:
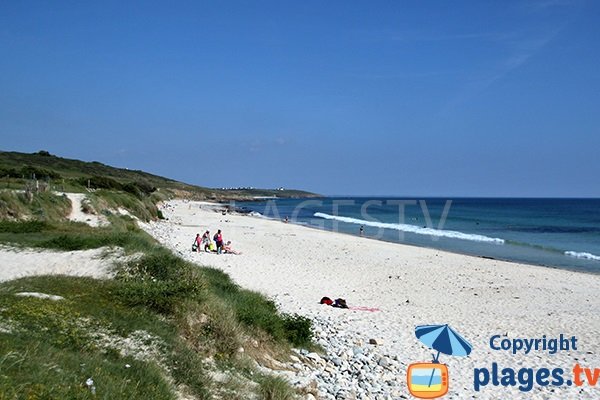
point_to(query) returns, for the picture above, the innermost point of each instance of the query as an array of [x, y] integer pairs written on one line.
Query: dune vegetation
[[161, 328]]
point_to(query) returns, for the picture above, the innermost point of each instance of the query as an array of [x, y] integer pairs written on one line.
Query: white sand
[[18, 263], [77, 213], [412, 286]]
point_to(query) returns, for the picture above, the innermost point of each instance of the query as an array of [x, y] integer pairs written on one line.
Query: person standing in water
[[362, 230]]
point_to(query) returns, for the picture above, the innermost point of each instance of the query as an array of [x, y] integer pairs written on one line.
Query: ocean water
[[562, 233]]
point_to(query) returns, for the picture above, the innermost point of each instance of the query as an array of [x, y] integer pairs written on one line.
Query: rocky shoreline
[[352, 367]]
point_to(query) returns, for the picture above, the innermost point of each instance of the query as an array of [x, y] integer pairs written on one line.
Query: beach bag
[[326, 300], [195, 246], [340, 303]]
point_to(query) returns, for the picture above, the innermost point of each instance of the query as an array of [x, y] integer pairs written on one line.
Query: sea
[[562, 233]]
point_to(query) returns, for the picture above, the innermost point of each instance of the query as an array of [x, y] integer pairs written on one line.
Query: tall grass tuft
[[275, 388], [142, 206], [44, 206]]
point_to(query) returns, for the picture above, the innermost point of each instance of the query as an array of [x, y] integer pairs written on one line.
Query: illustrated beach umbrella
[[443, 339]]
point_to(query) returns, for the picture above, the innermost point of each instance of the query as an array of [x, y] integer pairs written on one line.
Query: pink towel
[[363, 308]]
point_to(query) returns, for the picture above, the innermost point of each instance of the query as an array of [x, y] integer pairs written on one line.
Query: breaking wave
[[413, 229], [587, 256]]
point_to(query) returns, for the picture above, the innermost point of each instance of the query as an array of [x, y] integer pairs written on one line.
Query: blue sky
[[480, 98]]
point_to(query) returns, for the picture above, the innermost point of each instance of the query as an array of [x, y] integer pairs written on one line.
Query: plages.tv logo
[[430, 380]]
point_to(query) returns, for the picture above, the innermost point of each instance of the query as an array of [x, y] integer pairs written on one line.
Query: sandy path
[[78, 215]]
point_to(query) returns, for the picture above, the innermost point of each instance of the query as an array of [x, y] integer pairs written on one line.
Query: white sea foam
[[587, 256], [413, 229], [256, 214]]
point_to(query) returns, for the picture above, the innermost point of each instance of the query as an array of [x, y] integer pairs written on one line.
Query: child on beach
[[205, 240], [197, 246], [228, 250]]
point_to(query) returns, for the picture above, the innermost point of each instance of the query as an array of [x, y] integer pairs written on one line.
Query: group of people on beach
[[216, 245]]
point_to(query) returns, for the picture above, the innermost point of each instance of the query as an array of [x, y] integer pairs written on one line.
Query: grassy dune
[[161, 328]]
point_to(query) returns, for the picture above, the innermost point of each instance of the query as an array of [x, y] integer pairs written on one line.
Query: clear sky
[[446, 98]]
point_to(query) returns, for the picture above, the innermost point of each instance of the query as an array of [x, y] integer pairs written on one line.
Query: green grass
[[68, 236], [143, 207], [161, 282], [255, 311], [44, 206], [50, 349], [275, 388]]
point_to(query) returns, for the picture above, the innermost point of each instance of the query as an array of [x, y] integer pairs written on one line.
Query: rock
[[376, 342], [314, 356], [384, 362], [336, 361], [52, 297]]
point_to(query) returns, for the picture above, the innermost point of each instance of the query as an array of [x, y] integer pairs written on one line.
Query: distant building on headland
[[281, 188]]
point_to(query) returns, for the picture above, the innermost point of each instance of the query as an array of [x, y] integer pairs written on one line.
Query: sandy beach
[[410, 286]]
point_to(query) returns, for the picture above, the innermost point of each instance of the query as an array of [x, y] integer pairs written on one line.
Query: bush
[[100, 182], [23, 226], [28, 171], [160, 282], [298, 329], [162, 297]]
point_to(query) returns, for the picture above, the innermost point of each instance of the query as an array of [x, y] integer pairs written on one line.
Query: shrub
[[160, 282], [100, 182], [160, 296], [23, 226], [28, 171], [298, 329]]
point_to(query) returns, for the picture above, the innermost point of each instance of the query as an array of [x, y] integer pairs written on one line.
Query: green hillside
[[75, 175]]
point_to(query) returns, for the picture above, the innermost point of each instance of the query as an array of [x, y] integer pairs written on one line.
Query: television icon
[[427, 380]]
